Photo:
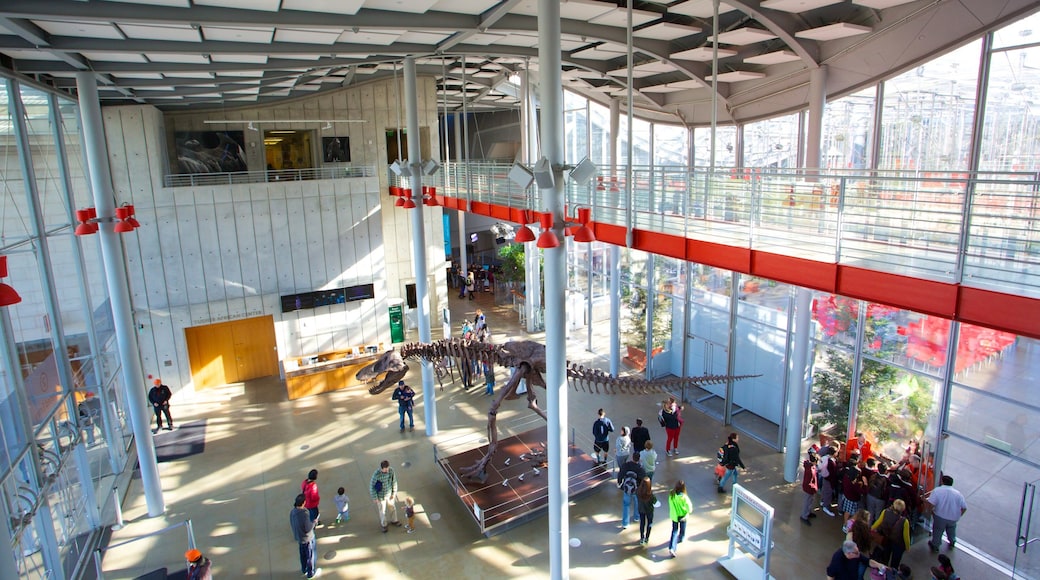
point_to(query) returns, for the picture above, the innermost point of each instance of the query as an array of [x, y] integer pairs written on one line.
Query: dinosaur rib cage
[[580, 377]]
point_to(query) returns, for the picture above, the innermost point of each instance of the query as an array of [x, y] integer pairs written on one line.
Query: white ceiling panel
[[881, 4], [183, 33], [703, 53], [367, 37], [114, 56], [699, 8], [349, 7], [520, 39], [743, 36], [619, 17], [687, 84], [797, 5], [177, 57], [236, 34], [484, 38], [422, 37], [30, 54], [465, 6], [667, 88], [605, 51], [773, 57], [413, 6], [666, 31], [138, 75], [647, 69], [736, 76], [188, 75], [833, 31], [308, 36], [84, 29], [268, 5], [175, 3], [240, 73], [242, 58]]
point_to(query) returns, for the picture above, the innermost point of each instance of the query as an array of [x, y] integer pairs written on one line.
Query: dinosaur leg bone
[[477, 470]]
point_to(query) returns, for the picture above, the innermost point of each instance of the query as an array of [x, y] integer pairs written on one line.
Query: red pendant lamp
[[584, 233], [8, 295], [524, 234], [547, 239]]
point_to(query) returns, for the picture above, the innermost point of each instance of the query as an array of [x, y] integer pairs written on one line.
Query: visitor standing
[[948, 506], [640, 435], [383, 491], [404, 395], [622, 447], [303, 532], [810, 486], [159, 396], [647, 503], [601, 430], [629, 476], [198, 565], [312, 499], [671, 419], [649, 459]]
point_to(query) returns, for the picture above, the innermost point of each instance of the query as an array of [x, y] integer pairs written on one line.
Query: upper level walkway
[[959, 245]]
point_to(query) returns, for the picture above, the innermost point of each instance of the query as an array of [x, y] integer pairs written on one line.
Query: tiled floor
[[238, 492]]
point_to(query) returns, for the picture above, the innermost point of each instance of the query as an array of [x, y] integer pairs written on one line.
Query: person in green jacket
[[679, 506]]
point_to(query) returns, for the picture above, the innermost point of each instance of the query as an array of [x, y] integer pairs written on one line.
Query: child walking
[[342, 506], [409, 513]]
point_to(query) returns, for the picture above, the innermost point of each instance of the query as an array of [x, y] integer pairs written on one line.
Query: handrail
[[899, 221], [270, 175]]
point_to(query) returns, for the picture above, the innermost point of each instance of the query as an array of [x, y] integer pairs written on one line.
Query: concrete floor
[[237, 494]]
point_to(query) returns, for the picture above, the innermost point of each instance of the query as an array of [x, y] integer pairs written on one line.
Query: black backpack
[[629, 483], [878, 486]]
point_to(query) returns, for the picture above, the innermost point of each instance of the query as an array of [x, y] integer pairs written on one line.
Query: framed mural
[[335, 149], [210, 151]]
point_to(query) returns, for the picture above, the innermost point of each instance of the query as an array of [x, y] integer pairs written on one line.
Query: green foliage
[[893, 404], [512, 263]]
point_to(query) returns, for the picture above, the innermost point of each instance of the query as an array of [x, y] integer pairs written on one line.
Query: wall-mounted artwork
[[210, 151], [335, 149]]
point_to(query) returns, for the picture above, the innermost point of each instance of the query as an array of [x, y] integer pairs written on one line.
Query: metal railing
[[975, 229], [272, 175]]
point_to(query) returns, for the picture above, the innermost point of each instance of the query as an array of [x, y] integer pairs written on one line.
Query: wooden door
[[231, 352], [255, 354]]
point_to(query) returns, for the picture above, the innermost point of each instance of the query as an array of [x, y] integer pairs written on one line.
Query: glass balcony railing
[[979, 230]]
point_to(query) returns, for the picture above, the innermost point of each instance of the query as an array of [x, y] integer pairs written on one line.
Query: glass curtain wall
[[848, 131], [60, 389]]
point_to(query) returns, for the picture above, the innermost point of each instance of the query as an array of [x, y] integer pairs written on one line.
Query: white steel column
[[551, 86], [113, 258], [422, 276], [532, 257], [798, 384], [461, 158], [615, 250], [814, 136]]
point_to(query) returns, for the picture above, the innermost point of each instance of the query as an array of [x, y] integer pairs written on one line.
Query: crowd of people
[[882, 503]]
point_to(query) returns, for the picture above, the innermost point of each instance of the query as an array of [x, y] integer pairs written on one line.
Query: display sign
[[750, 528], [306, 300]]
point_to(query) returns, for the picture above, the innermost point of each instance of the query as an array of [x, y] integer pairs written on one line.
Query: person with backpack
[[383, 491], [853, 487], [629, 476], [894, 528], [601, 430], [810, 486], [731, 461], [827, 470], [679, 506], [877, 489]]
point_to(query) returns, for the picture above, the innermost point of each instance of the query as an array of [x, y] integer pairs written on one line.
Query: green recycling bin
[[396, 323]]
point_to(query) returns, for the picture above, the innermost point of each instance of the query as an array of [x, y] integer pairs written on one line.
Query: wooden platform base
[[497, 507]]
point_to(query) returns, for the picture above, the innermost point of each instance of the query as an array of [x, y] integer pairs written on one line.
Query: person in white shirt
[[948, 506]]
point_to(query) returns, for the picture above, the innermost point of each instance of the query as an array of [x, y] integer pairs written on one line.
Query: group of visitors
[[636, 462], [305, 516], [880, 507], [476, 279]]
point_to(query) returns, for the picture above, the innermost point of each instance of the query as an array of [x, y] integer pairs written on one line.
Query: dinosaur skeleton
[[527, 359]]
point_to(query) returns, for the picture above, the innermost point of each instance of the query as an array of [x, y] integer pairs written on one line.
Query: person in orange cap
[[198, 565], [159, 397]]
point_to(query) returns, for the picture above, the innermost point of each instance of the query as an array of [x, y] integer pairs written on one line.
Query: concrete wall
[[215, 253]]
